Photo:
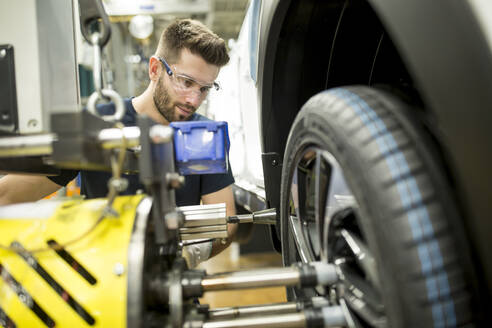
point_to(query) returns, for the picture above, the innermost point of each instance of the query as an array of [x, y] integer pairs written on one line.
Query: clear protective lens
[[186, 85]]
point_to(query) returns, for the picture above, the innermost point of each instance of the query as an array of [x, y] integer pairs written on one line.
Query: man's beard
[[165, 105]]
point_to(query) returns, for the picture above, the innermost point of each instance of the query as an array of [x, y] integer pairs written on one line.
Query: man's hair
[[194, 36]]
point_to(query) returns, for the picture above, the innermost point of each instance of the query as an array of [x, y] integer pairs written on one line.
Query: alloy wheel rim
[[323, 221]]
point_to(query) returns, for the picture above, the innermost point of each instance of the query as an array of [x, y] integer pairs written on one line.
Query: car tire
[[398, 207]]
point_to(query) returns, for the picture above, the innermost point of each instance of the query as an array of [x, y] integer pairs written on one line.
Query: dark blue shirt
[[94, 183]]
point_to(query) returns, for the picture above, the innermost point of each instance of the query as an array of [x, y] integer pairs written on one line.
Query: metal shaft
[[302, 275], [240, 311], [41, 144], [267, 309], [267, 216], [288, 276], [291, 320], [326, 316], [32, 145], [113, 137]]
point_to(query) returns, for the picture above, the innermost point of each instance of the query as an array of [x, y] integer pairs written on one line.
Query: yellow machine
[[66, 263], [97, 263]]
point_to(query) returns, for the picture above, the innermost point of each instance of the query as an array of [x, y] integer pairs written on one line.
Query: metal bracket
[[272, 171], [8, 102]]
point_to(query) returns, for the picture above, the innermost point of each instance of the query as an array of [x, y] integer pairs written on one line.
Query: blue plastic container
[[201, 147]]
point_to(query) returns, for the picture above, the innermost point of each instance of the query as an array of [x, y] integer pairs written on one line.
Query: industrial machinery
[[117, 261], [80, 263]]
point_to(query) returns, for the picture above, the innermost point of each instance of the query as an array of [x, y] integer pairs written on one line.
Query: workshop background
[[135, 30]]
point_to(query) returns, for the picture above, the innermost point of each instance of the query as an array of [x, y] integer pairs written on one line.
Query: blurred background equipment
[[136, 28], [43, 48]]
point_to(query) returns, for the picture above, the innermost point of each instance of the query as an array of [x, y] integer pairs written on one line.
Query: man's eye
[[205, 89], [188, 83]]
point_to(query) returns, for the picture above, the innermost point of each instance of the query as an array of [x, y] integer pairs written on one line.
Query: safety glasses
[[186, 85]]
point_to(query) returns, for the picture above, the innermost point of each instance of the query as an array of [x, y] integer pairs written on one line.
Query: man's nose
[[194, 99]]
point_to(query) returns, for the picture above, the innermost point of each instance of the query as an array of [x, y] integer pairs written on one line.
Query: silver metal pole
[[32, 145], [41, 144], [288, 276], [291, 320], [267, 216], [240, 311]]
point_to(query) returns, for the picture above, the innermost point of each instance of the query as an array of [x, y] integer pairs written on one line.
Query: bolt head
[[119, 184], [174, 180], [119, 269], [174, 220], [161, 134], [32, 123]]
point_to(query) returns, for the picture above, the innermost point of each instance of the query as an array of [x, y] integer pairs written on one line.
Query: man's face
[[176, 106]]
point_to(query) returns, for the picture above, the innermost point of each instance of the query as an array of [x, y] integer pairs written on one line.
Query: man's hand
[[17, 188]]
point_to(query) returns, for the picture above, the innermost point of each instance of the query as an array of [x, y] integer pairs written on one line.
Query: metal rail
[[29, 145]]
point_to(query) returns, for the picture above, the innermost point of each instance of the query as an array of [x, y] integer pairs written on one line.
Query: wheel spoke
[[363, 311], [352, 321], [339, 198], [294, 192], [339, 195], [360, 293], [294, 221], [321, 188], [302, 197], [363, 256], [295, 227]]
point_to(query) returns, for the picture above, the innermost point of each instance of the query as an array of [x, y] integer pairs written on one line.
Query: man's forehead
[[195, 67]]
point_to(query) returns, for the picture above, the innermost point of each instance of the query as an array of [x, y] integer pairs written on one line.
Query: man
[[182, 72]]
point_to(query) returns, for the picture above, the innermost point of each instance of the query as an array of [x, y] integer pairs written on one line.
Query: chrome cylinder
[[325, 316], [241, 311], [266, 309], [267, 216], [271, 277], [291, 320]]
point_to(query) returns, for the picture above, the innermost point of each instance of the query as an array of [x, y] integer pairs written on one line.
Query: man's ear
[[155, 68]]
